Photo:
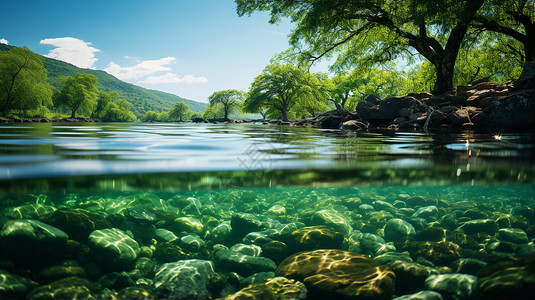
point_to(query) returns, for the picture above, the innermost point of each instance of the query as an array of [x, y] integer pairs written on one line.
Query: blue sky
[[190, 48]]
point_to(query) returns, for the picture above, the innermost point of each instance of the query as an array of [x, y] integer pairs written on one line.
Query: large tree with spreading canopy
[[374, 31]]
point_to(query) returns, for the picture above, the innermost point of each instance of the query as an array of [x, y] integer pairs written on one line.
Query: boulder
[[274, 288], [30, 240], [509, 279], [398, 230], [488, 226], [513, 235], [331, 274], [422, 295], [13, 286], [452, 286], [354, 125], [382, 111], [113, 247], [185, 279], [333, 219], [410, 276], [242, 264], [514, 111], [315, 237]]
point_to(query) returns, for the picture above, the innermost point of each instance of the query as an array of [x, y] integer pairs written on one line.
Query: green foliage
[[110, 107], [23, 82], [78, 93], [364, 33], [179, 112], [230, 100], [214, 112], [280, 87], [142, 99]]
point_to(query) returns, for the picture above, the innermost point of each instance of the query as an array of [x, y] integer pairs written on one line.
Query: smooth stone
[[460, 286], [315, 237], [398, 230], [258, 277], [410, 276], [383, 205], [364, 208], [65, 269], [468, 266], [191, 243], [426, 212], [165, 235], [431, 234], [251, 250], [77, 223], [243, 223], [488, 226], [114, 247], [188, 225], [337, 274], [242, 264], [391, 257], [14, 286], [333, 219], [221, 232], [185, 279], [30, 239], [28, 211], [511, 278], [274, 288], [67, 288], [277, 210], [422, 295], [513, 235]]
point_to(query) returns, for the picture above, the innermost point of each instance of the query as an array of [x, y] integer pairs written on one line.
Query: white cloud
[[142, 69], [4, 41], [173, 78], [72, 50], [143, 72]]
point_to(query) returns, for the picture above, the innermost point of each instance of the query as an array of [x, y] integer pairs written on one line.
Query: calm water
[[252, 168]]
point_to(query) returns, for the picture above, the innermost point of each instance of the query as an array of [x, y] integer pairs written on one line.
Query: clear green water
[[109, 168]]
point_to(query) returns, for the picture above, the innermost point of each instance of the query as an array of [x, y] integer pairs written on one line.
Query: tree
[[213, 112], [280, 88], [23, 81], [179, 112], [229, 99], [111, 107], [515, 19], [78, 92], [374, 31]]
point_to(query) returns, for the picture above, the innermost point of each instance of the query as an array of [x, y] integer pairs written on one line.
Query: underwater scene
[[252, 211]]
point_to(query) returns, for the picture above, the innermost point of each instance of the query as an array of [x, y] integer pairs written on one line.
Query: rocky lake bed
[[294, 243]]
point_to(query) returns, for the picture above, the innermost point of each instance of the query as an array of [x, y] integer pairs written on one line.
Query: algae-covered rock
[[77, 223], [422, 295], [274, 288], [29, 211], [315, 237], [339, 274], [397, 230], [188, 225], [454, 285], [65, 269], [513, 235], [30, 239], [114, 247], [488, 226], [410, 276], [186, 279], [67, 288], [13, 286], [242, 264], [334, 219], [509, 279]]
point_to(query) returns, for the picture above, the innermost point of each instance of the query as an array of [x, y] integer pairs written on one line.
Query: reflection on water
[[50, 150]]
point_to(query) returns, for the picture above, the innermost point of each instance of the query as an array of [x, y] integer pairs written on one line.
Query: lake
[[130, 208]]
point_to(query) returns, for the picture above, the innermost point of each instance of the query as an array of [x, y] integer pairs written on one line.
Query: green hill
[[142, 99]]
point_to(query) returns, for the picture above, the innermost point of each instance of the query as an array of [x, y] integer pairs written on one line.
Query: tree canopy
[[370, 32], [280, 87], [78, 92], [179, 112], [230, 100], [23, 81]]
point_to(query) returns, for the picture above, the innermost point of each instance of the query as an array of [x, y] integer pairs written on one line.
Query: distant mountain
[[142, 99]]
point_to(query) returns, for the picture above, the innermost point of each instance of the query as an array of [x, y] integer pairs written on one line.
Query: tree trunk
[[6, 106], [445, 63], [284, 112], [528, 72], [73, 113]]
